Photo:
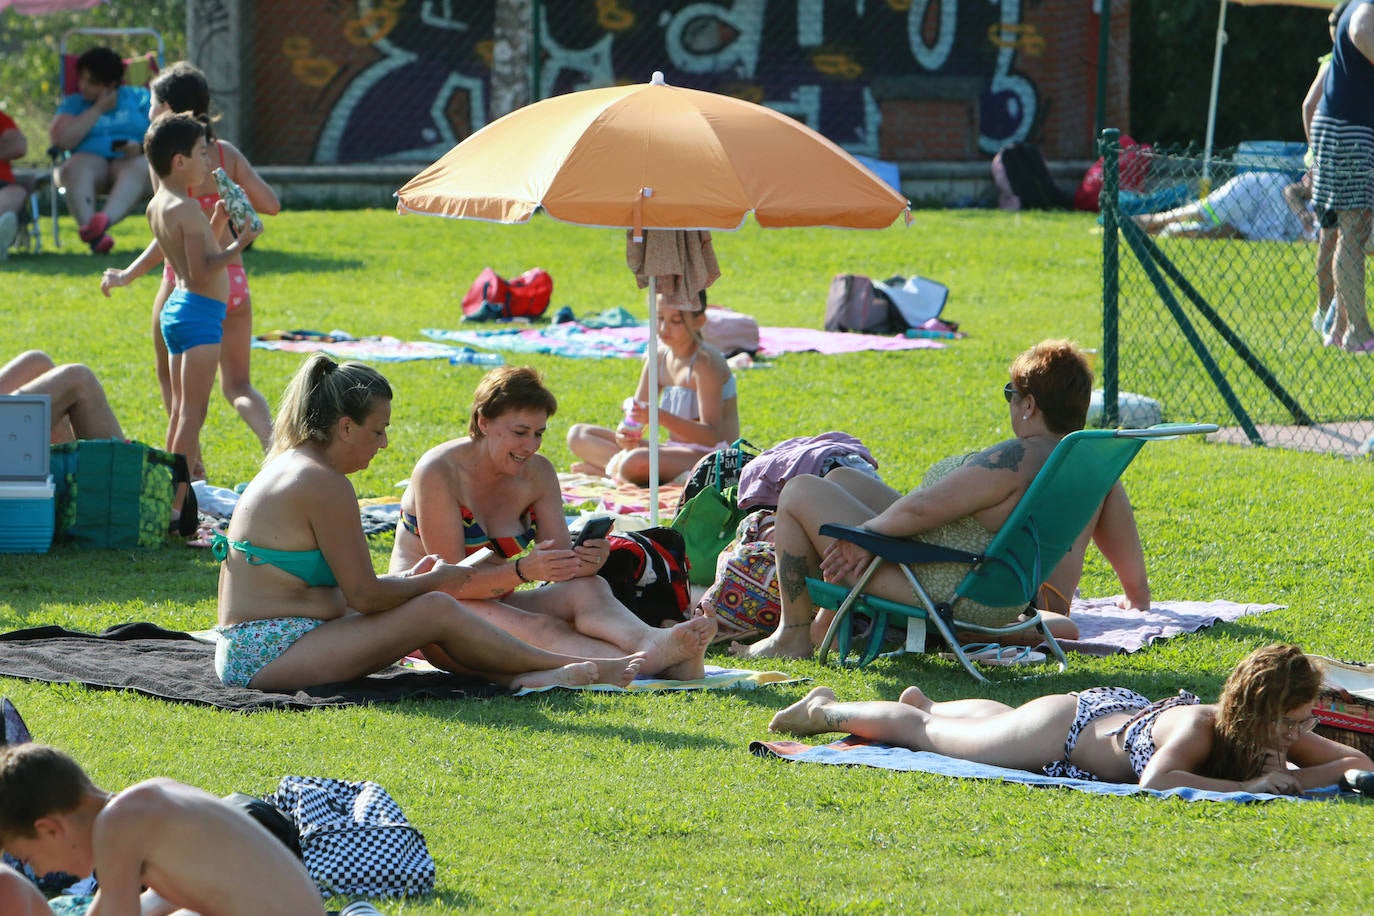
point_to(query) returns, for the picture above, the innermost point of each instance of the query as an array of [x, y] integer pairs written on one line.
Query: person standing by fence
[[1343, 140]]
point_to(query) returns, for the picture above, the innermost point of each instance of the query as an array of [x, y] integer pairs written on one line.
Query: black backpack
[[647, 572], [1028, 177]]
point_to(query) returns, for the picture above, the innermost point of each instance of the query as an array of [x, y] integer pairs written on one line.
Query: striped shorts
[[1343, 166]]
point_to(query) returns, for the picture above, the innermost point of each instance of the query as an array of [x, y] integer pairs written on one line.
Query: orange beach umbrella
[[652, 156]]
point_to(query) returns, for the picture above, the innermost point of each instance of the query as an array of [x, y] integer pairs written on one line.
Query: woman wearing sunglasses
[[1258, 737], [961, 503]]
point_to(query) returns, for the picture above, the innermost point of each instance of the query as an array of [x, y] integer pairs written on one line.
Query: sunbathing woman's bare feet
[[618, 671], [802, 717], [784, 642], [579, 674], [677, 653], [914, 696]]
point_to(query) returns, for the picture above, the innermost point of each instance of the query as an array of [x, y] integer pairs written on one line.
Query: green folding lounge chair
[[1054, 510]]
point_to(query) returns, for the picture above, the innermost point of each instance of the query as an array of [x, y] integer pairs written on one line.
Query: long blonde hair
[[318, 395], [1265, 685]]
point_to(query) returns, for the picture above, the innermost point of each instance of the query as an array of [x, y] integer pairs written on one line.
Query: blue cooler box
[[26, 516]]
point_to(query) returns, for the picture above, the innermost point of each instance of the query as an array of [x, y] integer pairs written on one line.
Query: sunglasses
[[1288, 726], [1009, 391]]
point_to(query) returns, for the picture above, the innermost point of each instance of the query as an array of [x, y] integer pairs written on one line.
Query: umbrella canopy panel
[[702, 160]]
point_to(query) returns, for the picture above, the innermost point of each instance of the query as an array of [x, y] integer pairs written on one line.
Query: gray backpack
[[854, 305]]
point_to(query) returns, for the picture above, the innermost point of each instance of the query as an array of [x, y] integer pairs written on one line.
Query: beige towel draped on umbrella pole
[[677, 264]]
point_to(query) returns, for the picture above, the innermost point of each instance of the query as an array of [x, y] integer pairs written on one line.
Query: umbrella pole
[[651, 354]]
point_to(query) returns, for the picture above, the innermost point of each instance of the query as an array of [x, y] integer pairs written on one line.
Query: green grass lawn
[[584, 803]]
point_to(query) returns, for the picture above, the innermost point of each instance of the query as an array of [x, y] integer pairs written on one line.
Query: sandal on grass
[[990, 653]]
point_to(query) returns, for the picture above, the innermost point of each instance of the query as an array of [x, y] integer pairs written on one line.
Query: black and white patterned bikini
[[1137, 731]]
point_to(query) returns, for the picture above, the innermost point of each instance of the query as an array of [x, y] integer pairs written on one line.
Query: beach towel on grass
[[368, 349], [585, 492], [171, 665], [580, 342], [1105, 629], [852, 751], [716, 678]]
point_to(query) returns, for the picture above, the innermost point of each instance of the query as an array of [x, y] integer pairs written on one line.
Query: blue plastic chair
[[1041, 529]]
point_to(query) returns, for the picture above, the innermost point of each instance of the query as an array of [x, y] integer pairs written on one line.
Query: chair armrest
[[1167, 431], [897, 550]]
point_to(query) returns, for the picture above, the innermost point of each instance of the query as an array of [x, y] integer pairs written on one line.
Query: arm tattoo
[[792, 571], [1005, 456]]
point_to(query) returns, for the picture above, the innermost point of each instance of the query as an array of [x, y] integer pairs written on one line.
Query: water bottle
[[470, 357], [360, 908], [630, 423]]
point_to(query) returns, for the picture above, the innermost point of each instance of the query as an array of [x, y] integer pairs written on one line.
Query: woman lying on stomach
[[1257, 738], [299, 603]]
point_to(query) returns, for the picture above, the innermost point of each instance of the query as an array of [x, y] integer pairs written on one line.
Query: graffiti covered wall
[[905, 80]]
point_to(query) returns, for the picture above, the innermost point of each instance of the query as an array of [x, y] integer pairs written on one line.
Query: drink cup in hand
[[241, 212]]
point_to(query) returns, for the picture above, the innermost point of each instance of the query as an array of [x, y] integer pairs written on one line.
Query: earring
[[1025, 416]]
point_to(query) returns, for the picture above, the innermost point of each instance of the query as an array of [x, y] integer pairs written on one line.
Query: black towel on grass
[[171, 665]]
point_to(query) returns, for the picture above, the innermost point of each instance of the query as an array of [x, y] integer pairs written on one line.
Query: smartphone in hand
[[594, 528]]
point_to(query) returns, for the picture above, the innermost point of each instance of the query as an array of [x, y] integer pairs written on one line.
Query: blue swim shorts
[[191, 320], [246, 648]]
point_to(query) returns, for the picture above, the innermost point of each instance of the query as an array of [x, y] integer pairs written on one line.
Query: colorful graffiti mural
[[405, 80]]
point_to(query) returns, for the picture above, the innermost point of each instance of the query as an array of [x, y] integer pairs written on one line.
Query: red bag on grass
[[491, 298]]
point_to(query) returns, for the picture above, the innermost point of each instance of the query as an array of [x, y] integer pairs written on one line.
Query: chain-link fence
[[1211, 305]]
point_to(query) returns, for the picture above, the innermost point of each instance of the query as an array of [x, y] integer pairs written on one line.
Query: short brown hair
[[172, 134], [1058, 374], [37, 781], [506, 389]]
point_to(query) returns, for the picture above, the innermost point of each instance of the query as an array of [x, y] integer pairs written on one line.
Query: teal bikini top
[[307, 565]]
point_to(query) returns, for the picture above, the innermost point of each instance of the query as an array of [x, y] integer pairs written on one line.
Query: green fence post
[[1111, 285]]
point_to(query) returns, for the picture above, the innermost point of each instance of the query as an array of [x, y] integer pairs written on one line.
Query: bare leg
[[128, 185], [1028, 737], [162, 361], [359, 644], [806, 503], [672, 461], [953, 709], [1326, 279], [1350, 275], [593, 445], [80, 409], [235, 377], [193, 375], [79, 177], [589, 608]]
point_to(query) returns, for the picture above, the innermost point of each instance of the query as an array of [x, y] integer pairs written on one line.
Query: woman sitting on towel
[[698, 409], [1257, 738], [962, 503], [299, 603], [490, 496]]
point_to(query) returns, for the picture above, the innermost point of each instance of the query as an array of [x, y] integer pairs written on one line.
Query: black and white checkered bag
[[354, 839]]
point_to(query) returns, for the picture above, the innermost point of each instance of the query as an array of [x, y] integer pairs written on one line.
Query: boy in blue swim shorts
[[192, 320]]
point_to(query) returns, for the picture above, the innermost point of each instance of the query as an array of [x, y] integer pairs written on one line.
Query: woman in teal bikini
[[299, 603], [492, 491], [1257, 738]]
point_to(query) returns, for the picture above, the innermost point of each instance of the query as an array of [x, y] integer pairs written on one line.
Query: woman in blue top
[[1257, 738], [102, 124], [299, 603], [698, 408]]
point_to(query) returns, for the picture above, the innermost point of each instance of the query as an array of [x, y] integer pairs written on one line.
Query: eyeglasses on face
[[1289, 726], [1009, 391]]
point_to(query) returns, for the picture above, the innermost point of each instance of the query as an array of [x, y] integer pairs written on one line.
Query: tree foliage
[[1268, 63], [29, 54]]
